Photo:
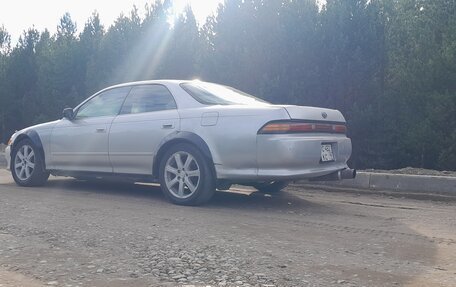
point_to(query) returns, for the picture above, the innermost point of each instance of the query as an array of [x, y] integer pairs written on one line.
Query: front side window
[[148, 98], [107, 103]]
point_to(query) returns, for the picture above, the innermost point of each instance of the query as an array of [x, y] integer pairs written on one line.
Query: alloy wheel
[[24, 162], [182, 174]]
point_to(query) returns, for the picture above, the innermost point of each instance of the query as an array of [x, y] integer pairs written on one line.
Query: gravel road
[[76, 233]]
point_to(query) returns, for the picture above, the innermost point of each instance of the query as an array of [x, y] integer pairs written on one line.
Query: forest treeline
[[388, 65]]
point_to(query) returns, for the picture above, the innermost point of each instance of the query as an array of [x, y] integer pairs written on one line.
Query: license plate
[[326, 153]]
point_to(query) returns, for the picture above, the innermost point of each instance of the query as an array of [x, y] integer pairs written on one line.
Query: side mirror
[[68, 113]]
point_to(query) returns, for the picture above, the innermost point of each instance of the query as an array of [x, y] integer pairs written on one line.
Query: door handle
[[100, 130], [167, 126]]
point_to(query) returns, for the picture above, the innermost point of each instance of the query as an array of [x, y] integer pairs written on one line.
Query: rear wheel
[[28, 165], [271, 186], [185, 175]]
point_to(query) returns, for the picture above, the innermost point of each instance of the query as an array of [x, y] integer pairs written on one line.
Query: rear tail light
[[286, 127]]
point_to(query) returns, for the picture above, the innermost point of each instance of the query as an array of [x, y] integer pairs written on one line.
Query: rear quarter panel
[[233, 139]]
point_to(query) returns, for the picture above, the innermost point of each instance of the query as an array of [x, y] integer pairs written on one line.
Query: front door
[[82, 144]]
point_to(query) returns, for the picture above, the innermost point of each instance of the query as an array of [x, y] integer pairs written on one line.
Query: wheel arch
[[182, 137], [34, 137]]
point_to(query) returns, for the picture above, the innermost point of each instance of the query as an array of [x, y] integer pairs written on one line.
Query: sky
[[19, 15]]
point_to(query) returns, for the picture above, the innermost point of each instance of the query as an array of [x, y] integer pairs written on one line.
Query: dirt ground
[[76, 233]]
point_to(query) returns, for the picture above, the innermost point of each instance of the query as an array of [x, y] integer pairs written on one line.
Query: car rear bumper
[[299, 156], [286, 174], [292, 157], [8, 157]]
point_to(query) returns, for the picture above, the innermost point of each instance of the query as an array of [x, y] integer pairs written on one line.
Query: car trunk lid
[[313, 114]]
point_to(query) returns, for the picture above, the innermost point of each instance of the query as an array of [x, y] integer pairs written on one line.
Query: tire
[[185, 175], [271, 187], [27, 165]]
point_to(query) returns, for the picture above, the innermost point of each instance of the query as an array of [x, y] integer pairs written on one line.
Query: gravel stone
[[129, 236]]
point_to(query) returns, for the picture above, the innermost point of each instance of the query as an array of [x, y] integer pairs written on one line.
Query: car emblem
[[324, 115]]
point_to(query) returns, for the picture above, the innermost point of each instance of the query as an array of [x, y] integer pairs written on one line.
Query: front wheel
[[27, 167], [185, 175], [271, 187]]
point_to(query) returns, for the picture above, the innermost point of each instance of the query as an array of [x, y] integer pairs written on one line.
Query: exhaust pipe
[[347, 173]]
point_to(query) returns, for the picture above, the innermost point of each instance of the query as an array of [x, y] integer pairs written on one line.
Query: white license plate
[[326, 153]]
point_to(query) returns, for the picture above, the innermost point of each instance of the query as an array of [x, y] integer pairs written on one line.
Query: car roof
[[148, 82]]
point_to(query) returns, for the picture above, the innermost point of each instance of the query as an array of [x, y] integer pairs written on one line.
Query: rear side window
[[148, 98], [213, 94]]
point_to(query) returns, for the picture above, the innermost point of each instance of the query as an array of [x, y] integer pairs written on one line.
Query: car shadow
[[122, 189], [257, 200], [247, 199]]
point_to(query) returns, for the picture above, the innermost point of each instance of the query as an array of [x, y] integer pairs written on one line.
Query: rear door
[[148, 115]]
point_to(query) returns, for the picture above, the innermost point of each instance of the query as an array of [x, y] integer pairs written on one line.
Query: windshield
[[213, 94]]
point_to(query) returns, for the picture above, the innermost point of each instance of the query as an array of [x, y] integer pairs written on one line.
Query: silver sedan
[[192, 137]]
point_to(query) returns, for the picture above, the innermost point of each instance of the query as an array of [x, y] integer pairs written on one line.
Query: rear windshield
[[213, 94]]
